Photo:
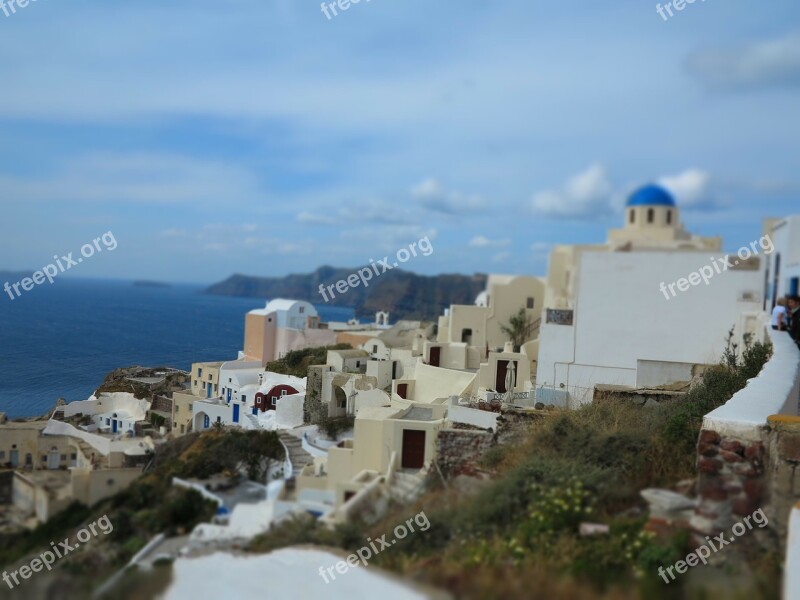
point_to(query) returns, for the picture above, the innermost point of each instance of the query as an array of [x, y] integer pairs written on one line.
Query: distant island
[[404, 294], [151, 284]]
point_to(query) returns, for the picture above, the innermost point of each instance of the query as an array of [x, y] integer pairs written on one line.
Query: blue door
[[114, 425], [229, 394], [206, 422], [235, 413], [793, 285], [255, 410], [209, 389]]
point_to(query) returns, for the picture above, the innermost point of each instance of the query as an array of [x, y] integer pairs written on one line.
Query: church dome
[[651, 195]]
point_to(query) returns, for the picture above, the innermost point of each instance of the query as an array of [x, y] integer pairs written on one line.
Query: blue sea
[[61, 340]]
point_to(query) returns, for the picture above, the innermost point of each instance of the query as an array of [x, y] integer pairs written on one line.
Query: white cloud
[[481, 241], [431, 194], [691, 189], [768, 63], [584, 195]]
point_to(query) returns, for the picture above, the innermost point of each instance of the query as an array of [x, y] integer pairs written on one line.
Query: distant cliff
[[405, 295]]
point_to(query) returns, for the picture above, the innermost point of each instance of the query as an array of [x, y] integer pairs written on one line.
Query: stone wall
[[736, 477], [312, 408], [459, 450], [782, 471], [162, 404], [731, 481]]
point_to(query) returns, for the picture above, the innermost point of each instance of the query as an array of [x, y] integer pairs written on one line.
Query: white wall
[[289, 411], [622, 317], [775, 391]]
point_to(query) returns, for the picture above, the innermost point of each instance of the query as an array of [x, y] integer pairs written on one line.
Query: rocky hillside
[[405, 295]]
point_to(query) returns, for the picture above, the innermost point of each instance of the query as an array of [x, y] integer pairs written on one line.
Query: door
[[413, 449], [209, 389], [114, 426], [235, 413], [793, 285], [53, 459], [229, 394], [500, 380], [435, 356], [402, 390], [14, 459]]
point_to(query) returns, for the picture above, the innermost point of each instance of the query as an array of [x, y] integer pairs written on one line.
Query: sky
[[262, 137]]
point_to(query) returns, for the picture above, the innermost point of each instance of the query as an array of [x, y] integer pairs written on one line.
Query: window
[[44, 458], [244, 398], [63, 457], [530, 302], [190, 408], [358, 364], [73, 456], [375, 348], [632, 216], [204, 385], [651, 215], [206, 422], [273, 401], [209, 376], [108, 421], [2, 454], [302, 309], [177, 408], [230, 379], [466, 336], [199, 372], [283, 393], [219, 419], [669, 217]]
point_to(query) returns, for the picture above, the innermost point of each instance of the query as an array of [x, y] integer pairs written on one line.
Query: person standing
[[779, 316], [794, 318]]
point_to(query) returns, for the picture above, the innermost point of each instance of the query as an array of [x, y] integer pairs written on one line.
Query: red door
[[402, 390], [413, 449], [435, 356]]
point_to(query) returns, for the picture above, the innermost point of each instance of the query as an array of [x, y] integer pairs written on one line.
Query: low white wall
[[101, 444], [109, 402], [198, 488], [471, 416], [289, 412], [775, 391]]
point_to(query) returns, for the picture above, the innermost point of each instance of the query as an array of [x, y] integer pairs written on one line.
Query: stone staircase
[[252, 421], [406, 486], [299, 457]]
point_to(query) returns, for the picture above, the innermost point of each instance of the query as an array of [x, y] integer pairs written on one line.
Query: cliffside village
[[424, 397]]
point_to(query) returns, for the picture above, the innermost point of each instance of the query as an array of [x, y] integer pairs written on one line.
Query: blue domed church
[[652, 220]]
